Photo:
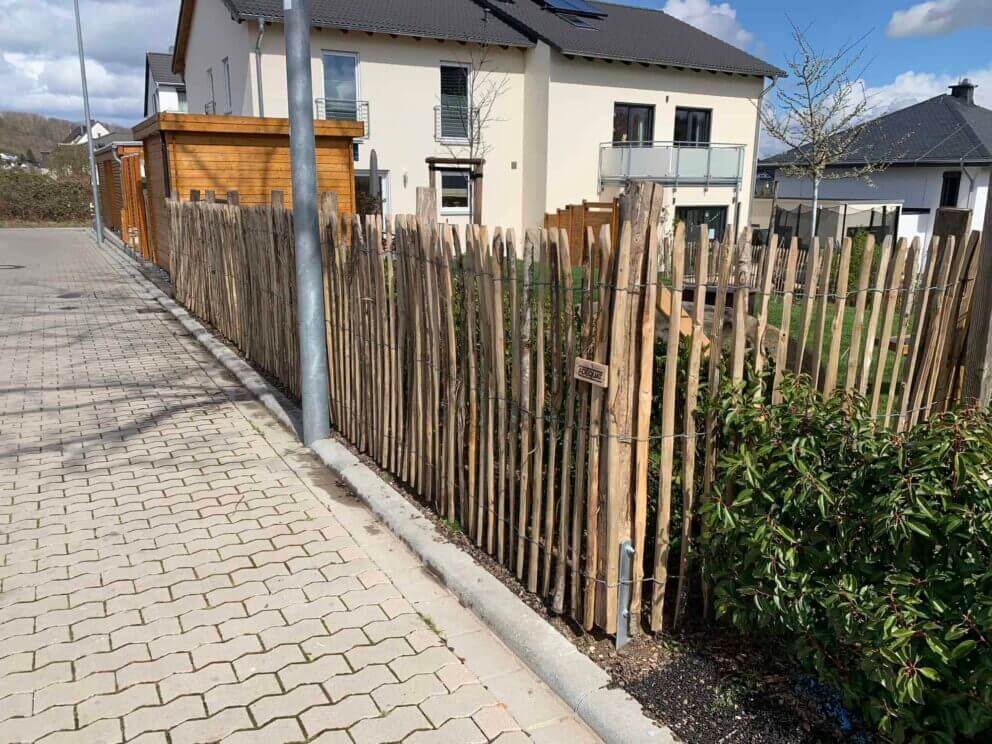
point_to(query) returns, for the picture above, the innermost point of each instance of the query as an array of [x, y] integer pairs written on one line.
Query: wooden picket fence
[[452, 356]]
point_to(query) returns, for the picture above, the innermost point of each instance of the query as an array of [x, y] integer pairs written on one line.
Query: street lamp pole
[[309, 271], [97, 221]]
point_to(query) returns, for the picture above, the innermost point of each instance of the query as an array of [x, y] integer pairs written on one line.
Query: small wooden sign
[[592, 372]]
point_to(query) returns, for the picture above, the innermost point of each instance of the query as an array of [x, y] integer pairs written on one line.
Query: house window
[[340, 85], [633, 122], [950, 189], [211, 103], [456, 192], [228, 103], [715, 219], [183, 106], [454, 111], [692, 126]]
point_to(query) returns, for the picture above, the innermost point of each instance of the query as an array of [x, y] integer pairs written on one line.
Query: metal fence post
[[623, 593], [309, 270]]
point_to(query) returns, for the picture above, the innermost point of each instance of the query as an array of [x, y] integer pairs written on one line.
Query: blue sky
[[915, 49]]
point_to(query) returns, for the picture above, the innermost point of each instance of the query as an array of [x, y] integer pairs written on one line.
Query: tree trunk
[[816, 200]]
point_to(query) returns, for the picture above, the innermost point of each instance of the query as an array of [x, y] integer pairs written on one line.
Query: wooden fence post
[[427, 204], [977, 386]]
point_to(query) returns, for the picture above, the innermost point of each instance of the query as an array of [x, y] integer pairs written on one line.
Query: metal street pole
[[309, 273], [97, 221]]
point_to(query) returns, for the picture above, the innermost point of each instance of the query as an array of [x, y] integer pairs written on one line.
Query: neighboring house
[[77, 135], [939, 154], [164, 89], [590, 94]]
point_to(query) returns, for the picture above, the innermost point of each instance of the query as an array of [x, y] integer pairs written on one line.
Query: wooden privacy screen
[[187, 152], [575, 218], [451, 365]]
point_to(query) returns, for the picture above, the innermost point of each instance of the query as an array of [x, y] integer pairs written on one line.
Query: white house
[[561, 100], [938, 154], [77, 135], [164, 89]]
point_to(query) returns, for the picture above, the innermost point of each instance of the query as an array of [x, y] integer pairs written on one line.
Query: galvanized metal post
[[309, 273], [97, 219], [623, 593]]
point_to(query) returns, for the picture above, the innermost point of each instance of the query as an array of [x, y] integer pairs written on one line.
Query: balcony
[[452, 124], [343, 110], [680, 164]]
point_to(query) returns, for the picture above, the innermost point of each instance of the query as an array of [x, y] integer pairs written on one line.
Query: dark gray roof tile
[[624, 33], [943, 129], [160, 66], [432, 19]]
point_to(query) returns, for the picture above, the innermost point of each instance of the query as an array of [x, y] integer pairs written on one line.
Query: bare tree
[[820, 114], [471, 122]]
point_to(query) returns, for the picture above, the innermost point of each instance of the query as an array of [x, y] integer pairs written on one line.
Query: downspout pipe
[[258, 66], [754, 160]]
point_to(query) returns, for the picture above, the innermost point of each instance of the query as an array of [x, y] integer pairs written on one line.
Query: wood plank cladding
[[109, 174], [250, 155]]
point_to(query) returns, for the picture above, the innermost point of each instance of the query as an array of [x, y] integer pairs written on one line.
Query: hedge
[[31, 197], [868, 553]]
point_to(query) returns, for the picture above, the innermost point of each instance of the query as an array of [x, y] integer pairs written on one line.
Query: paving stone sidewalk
[[175, 567]]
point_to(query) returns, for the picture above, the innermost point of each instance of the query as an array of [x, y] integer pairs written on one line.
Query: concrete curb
[[613, 714]]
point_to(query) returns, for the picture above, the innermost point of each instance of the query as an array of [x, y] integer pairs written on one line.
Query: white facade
[[916, 188], [164, 98], [542, 143], [99, 130]]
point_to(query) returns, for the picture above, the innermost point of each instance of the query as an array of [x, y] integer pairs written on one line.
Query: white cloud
[[719, 20], [939, 17], [912, 87], [39, 67]]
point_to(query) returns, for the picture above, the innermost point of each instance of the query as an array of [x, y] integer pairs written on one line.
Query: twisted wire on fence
[[451, 360]]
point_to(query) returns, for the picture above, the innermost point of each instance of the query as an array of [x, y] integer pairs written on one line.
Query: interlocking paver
[[171, 568]]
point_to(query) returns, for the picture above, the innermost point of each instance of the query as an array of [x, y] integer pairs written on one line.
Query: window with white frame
[[455, 113], [228, 102], [456, 191]]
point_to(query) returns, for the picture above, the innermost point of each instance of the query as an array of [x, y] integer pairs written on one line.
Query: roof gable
[[159, 65], [632, 34], [623, 33], [942, 129]]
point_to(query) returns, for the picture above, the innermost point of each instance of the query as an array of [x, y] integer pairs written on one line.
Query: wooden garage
[[120, 168], [187, 153]]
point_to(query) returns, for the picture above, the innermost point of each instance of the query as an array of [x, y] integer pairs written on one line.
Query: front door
[[715, 219]]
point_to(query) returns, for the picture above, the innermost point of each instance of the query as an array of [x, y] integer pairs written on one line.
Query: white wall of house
[[917, 188], [213, 37], [163, 98], [543, 144], [582, 96]]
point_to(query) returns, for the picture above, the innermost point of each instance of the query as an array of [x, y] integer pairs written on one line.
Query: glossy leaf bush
[[867, 552]]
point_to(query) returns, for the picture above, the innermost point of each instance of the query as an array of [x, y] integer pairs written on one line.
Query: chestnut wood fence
[[452, 351]]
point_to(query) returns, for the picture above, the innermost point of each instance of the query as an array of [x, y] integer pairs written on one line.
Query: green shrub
[[868, 553], [31, 197]]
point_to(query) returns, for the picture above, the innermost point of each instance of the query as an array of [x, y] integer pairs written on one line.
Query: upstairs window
[[228, 102], [210, 86], [633, 122], [950, 189], [692, 126], [340, 85], [454, 102]]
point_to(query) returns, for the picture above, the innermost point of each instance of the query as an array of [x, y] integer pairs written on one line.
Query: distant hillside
[[22, 132]]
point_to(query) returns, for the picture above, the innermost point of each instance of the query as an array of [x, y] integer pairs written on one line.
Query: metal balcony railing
[[456, 124], [687, 163], [341, 109], [210, 107]]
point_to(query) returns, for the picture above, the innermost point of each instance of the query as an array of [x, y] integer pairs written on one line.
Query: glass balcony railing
[[672, 162], [339, 109]]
